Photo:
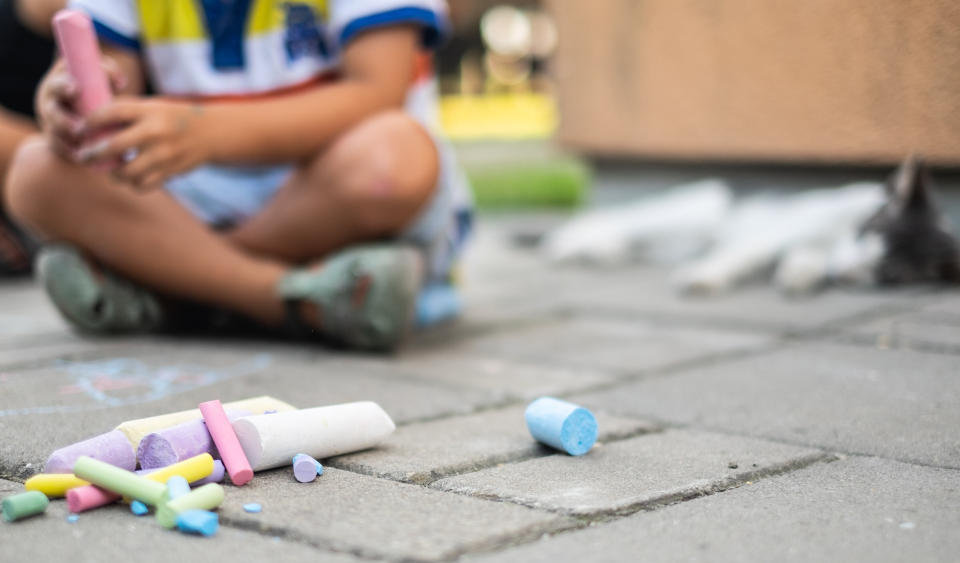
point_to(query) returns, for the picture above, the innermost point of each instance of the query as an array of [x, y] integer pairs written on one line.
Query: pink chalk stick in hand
[[78, 44], [227, 443]]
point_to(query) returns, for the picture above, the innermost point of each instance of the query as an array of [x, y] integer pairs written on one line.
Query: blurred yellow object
[[498, 116]]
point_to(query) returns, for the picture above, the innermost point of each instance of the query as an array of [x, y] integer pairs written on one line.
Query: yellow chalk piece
[[191, 469], [135, 430], [54, 485]]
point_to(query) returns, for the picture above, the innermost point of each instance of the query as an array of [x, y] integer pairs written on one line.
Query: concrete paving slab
[[509, 283], [420, 453], [63, 402], [922, 330], [507, 378], [895, 403], [25, 310], [113, 534], [374, 517], [624, 347], [857, 509], [632, 474]]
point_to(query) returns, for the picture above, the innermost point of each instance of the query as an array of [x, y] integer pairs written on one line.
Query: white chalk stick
[[271, 440]]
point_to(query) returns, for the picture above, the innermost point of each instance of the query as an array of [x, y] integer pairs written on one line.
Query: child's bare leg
[[147, 237], [369, 184]]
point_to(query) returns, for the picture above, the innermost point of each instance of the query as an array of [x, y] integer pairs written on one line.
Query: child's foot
[[95, 300], [362, 297]]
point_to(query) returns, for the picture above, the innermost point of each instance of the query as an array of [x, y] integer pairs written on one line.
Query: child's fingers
[[117, 146], [150, 163], [60, 124], [118, 112]]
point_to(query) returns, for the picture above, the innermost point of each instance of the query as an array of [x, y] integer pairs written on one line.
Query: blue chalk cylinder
[[177, 486], [436, 304], [198, 522], [562, 425]]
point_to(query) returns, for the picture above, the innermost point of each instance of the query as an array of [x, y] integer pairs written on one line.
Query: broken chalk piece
[[177, 486], [72, 518], [231, 453], [54, 485], [215, 477], [193, 470], [118, 481], [136, 430], [305, 468], [112, 448], [183, 441], [138, 508], [206, 497], [252, 507], [271, 440], [25, 504], [562, 425], [198, 522]]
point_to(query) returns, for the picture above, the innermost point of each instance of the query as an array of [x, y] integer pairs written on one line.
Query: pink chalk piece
[[227, 443], [78, 44], [177, 443], [112, 447], [215, 477], [88, 497]]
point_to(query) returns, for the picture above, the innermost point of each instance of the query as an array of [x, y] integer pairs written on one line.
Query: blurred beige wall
[[854, 81]]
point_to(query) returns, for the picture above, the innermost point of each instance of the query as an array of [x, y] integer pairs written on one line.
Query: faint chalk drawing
[[97, 379]]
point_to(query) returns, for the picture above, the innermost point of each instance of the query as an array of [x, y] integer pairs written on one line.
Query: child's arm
[[174, 136]]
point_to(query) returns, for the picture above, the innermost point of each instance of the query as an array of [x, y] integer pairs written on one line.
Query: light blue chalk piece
[[138, 508], [177, 486], [437, 303], [198, 522], [319, 468], [72, 518], [562, 425], [253, 507]]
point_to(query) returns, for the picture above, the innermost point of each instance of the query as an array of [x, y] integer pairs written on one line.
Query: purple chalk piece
[[177, 443], [305, 468], [112, 447], [215, 477]]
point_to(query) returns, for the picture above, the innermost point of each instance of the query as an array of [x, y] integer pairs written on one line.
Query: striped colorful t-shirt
[[223, 48]]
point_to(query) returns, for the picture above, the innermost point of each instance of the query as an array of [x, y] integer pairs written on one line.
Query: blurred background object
[[535, 93]]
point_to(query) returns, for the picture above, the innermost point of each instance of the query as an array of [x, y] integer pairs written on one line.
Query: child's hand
[[158, 139], [56, 98]]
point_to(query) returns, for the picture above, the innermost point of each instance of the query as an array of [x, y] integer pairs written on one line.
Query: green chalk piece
[[206, 497], [23, 505], [120, 481]]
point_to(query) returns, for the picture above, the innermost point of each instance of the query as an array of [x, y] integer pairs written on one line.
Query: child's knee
[[385, 169], [31, 181]]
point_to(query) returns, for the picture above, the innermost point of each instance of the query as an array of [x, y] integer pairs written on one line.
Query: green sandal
[[94, 300], [365, 296]]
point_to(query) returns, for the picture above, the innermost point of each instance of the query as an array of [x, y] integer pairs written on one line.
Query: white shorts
[[227, 195]]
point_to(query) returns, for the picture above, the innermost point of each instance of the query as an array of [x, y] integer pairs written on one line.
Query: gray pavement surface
[[746, 427]]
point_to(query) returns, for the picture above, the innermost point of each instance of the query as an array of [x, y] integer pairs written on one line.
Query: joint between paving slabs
[[427, 478], [525, 535], [655, 503]]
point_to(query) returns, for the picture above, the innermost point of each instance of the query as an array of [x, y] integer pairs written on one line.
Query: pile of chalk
[[183, 457], [177, 454]]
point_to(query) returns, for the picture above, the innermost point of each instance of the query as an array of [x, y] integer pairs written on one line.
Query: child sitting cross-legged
[[281, 171]]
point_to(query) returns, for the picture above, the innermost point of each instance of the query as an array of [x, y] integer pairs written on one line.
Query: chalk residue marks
[[117, 382]]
